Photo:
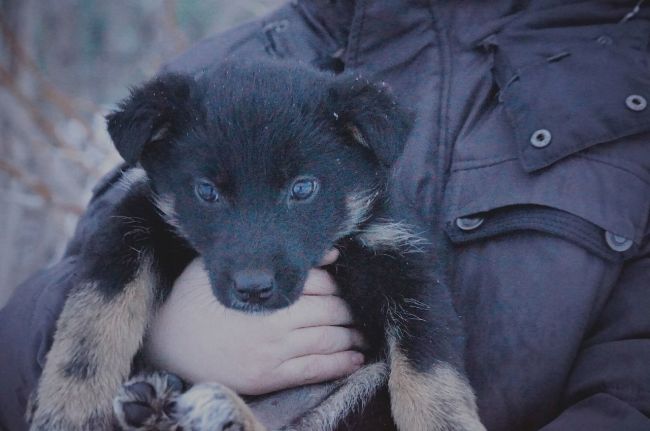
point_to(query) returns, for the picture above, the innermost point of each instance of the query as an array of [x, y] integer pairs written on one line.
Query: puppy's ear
[[151, 113], [371, 117]]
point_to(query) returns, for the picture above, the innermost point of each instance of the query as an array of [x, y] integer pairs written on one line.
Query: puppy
[[259, 169]]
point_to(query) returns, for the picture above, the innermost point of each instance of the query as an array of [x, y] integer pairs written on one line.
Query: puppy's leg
[[213, 407], [437, 398], [155, 402], [349, 397], [96, 338]]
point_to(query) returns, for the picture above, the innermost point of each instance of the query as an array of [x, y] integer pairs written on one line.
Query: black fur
[[252, 130], [267, 126]]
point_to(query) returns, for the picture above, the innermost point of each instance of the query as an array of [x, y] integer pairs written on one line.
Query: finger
[[319, 282], [318, 368], [193, 276], [312, 310], [323, 340], [330, 257]]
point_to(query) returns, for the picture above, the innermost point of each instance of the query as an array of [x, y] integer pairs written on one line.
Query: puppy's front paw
[[146, 402], [213, 407]]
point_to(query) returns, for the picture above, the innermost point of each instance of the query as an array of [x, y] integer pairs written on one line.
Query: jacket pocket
[[566, 90], [597, 205], [578, 105]]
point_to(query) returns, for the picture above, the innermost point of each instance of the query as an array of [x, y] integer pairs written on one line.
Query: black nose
[[254, 286]]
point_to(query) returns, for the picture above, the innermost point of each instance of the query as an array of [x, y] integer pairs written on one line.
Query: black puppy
[[259, 169]]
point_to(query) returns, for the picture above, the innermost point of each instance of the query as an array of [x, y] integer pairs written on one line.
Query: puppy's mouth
[[277, 301], [247, 307]]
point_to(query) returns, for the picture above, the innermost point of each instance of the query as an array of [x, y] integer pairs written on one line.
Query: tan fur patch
[[358, 206], [350, 396], [166, 206], [358, 136], [386, 234], [102, 335], [438, 400], [210, 406], [132, 176]]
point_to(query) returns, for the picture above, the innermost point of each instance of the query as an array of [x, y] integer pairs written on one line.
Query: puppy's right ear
[[151, 113]]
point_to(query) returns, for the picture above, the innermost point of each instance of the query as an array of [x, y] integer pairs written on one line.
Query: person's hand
[[196, 337]]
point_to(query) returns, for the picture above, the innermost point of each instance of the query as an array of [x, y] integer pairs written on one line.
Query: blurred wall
[[63, 64]]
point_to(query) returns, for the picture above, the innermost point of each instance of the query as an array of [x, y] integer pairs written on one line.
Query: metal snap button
[[469, 223], [636, 102], [277, 26], [617, 242], [604, 40], [540, 138]]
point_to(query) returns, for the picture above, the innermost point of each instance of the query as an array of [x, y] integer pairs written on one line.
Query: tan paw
[[213, 407]]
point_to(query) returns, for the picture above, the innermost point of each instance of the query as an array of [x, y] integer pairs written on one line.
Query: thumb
[[330, 257]]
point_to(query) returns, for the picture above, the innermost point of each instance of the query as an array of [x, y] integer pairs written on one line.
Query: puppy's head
[[262, 167]]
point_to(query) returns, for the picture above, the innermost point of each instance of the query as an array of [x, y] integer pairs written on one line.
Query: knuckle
[[311, 371], [325, 341], [334, 305]]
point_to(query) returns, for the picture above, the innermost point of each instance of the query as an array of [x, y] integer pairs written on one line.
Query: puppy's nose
[[254, 286]]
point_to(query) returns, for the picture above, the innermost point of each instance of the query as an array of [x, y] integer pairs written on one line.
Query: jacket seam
[[355, 32], [493, 162], [445, 144], [615, 166], [478, 164], [315, 28], [581, 145]]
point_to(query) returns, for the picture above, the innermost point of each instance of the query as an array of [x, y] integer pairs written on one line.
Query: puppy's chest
[[373, 283]]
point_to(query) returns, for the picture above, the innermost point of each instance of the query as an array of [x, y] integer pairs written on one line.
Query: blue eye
[[303, 189], [206, 191]]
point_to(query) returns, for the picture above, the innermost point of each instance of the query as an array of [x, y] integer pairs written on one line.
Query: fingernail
[[357, 359]]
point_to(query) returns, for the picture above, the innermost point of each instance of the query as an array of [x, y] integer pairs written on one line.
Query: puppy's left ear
[[371, 117], [151, 113]]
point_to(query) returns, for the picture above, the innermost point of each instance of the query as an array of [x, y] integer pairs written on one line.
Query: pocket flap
[[563, 97]]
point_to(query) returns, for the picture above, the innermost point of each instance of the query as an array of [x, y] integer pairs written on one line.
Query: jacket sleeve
[[609, 387], [28, 320]]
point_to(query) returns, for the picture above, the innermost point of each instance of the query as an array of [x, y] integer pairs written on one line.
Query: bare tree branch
[[51, 93], [43, 123]]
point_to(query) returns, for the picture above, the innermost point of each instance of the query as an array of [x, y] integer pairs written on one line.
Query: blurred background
[[63, 66]]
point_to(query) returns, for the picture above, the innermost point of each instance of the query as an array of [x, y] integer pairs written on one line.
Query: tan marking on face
[[438, 400], [358, 206], [167, 207], [106, 333]]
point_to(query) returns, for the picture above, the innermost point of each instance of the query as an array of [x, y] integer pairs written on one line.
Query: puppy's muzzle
[[253, 286]]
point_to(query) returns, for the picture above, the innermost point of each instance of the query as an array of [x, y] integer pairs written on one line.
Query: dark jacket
[[532, 145]]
